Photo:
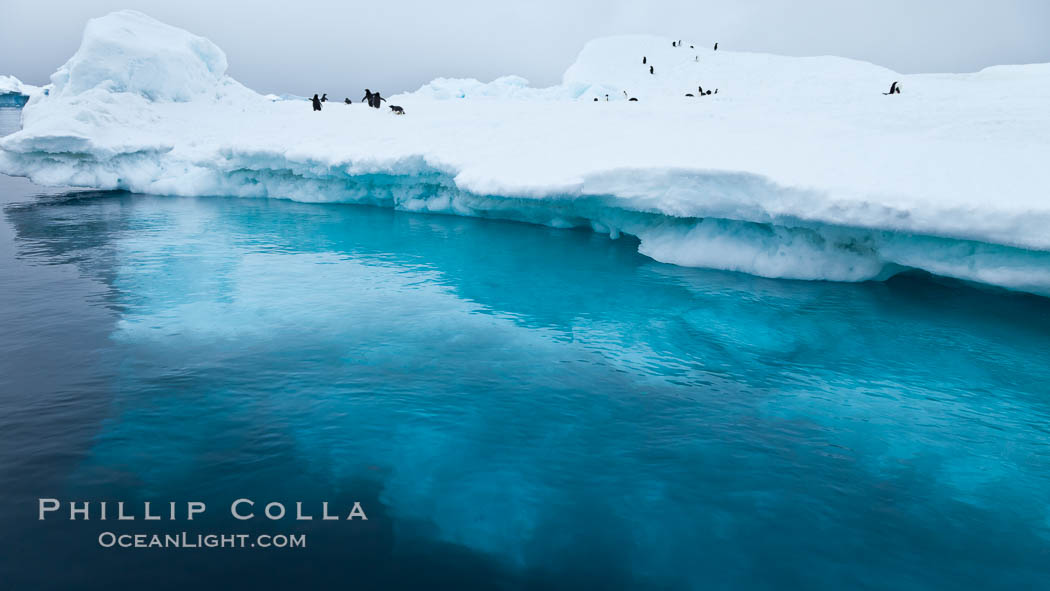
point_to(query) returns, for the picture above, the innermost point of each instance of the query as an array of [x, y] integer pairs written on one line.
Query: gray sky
[[340, 47]]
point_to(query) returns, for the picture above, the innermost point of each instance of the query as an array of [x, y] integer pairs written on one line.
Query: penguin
[[701, 90], [397, 110], [595, 99], [679, 43], [643, 59], [672, 44], [716, 47], [651, 70], [376, 98], [893, 89], [716, 91], [708, 93], [632, 100], [367, 98], [347, 100], [688, 94], [317, 103], [691, 47], [607, 98], [696, 59], [324, 98]]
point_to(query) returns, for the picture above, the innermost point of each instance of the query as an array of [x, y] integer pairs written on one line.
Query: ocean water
[[515, 407]]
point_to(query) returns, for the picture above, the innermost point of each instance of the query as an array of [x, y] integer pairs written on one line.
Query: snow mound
[[128, 51], [503, 88], [798, 168]]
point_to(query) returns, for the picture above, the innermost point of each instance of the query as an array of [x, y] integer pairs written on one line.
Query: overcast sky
[[342, 46]]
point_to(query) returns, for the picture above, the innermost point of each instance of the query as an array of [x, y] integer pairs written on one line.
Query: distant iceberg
[[798, 168], [14, 92]]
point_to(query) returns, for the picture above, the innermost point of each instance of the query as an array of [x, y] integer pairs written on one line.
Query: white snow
[[798, 167]]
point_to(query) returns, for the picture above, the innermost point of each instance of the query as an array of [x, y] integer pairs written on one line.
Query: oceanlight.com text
[[187, 540]]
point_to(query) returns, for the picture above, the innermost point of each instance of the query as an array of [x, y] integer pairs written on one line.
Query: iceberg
[[14, 92], [797, 168]]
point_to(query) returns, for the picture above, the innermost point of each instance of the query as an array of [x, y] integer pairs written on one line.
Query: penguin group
[[373, 99], [652, 71]]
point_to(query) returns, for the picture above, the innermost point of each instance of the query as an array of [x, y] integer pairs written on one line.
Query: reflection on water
[[515, 406]]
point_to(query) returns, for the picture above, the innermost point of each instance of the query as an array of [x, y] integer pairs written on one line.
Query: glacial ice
[[14, 92], [798, 168]]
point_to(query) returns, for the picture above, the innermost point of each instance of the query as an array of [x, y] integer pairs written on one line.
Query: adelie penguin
[[376, 99], [643, 59], [347, 100], [651, 70], [397, 110], [317, 103], [894, 89], [324, 98], [716, 47], [367, 98]]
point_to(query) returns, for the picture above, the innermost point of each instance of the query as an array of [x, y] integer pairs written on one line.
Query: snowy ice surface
[[798, 167]]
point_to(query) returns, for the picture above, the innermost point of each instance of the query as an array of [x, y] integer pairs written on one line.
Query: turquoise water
[[515, 406]]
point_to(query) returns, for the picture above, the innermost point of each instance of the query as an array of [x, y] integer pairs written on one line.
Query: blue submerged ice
[[517, 405]]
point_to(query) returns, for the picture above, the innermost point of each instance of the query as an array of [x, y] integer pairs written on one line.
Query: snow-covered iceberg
[[796, 168], [14, 92]]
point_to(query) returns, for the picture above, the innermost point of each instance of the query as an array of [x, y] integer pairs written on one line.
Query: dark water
[[514, 407]]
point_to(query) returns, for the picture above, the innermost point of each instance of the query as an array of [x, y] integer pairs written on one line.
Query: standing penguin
[[367, 98], [324, 98], [643, 59], [347, 100], [716, 46], [317, 103], [651, 70], [376, 98]]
